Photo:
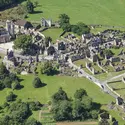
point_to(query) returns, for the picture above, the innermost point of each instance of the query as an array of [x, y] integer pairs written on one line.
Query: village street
[[101, 84]]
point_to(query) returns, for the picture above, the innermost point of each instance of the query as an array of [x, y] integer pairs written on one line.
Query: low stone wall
[[102, 68], [112, 90], [92, 71]]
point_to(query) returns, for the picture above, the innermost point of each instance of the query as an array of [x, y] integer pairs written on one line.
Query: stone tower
[[10, 27]]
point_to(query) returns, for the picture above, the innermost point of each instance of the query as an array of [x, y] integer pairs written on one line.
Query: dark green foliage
[[10, 97], [5, 3], [94, 114], [37, 82], [63, 111], [80, 29], [80, 93], [34, 106], [48, 69], [87, 102], [78, 110], [63, 19], [32, 121], [60, 95], [66, 27], [3, 70], [7, 78], [15, 85], [13, 76], [23, 42], [18, 114], [82, 108], [7, 82], [29, 6]]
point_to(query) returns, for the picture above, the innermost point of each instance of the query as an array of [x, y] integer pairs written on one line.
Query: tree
[[80, 93], [78, 110], [15, 85], [36, 3], [37, 82], [80, 29], [64, 22], [48, 69], [23, 42], [66, 27], [60, 95], [87, 102], [64, 112], [29, 6], [94, 114], [3, 69], [10, 97], [7, 82], [63, 19]]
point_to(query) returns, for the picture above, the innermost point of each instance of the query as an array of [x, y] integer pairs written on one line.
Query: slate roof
[[20, 22]]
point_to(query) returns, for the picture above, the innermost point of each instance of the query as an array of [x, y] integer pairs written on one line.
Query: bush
[[37, 82], [10, 97], [34, 106], [94, 114], [15, 85], [7, 82]]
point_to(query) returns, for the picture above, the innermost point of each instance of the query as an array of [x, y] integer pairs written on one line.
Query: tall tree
[[29, 6], [23, 42], [64, 21]]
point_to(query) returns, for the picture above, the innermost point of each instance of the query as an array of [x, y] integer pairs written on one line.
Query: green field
[[54, 33], [69, 84], [88, 11]]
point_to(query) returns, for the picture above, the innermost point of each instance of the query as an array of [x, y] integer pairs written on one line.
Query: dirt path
[[76, 123]]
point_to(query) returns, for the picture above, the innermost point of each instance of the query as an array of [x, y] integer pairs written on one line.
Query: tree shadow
[[36, 12], [118, 89], [20, 79], [42, 85], [96, 106], [20, 87]]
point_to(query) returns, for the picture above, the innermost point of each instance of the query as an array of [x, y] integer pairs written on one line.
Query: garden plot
[[118, 86]]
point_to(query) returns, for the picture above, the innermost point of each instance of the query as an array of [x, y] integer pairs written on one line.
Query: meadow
[[69, 84], [109, 12]]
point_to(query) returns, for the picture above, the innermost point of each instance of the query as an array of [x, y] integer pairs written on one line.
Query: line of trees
[[5, 3], [80, 28], [81, 108], [7, 79], [19, 113]]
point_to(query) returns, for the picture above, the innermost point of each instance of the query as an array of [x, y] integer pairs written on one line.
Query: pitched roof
[[20, 22]]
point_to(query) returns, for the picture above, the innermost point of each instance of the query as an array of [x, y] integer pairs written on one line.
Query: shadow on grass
[[20, 87], [42, 85], [96, 106], [36, 12]]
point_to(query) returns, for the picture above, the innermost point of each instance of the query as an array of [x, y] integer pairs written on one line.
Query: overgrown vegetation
[[81, 108], [18, 113], [7, 79], [80, 28]]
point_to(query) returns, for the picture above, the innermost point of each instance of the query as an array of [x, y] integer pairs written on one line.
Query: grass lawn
[[69, 84], [88, 11], [54, 33], [117, 51]]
